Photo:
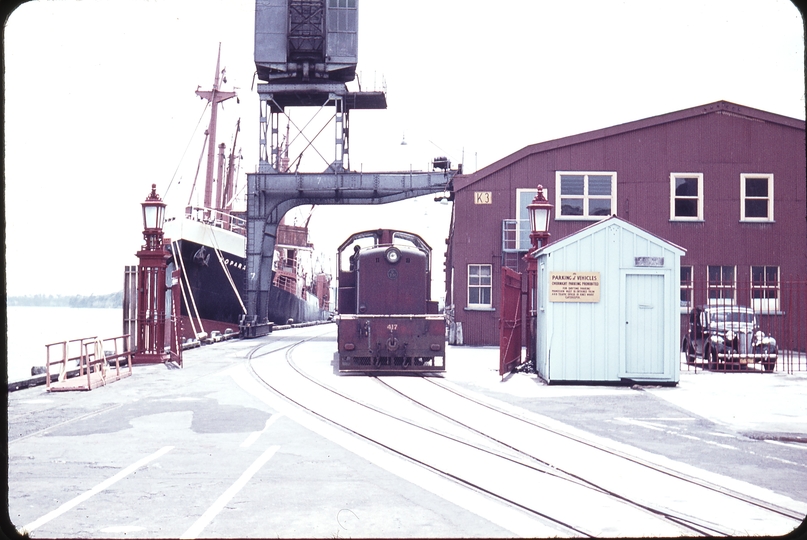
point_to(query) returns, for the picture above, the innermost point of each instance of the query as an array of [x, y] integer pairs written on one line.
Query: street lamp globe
[[539, 211], [153, 211]]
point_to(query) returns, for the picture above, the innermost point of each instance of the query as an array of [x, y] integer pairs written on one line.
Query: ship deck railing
[[217, 218]]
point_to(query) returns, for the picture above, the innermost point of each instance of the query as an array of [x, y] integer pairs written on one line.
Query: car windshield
[[732, 317]]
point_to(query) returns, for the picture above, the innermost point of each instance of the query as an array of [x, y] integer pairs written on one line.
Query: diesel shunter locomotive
[[387, 321]]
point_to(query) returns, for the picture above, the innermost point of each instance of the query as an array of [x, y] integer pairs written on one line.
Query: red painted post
[[539, 211], [151, 286]]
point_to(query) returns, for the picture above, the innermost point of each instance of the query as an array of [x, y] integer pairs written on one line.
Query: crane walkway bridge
[[271, 195]]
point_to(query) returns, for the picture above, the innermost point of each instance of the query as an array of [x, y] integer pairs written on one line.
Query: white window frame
[[488, 286], [586, 197], [766, 305], [722, 286], [769, 198], [674, 197], [688, 289], [523, 217]]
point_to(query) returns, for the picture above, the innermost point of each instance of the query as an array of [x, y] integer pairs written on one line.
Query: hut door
[[510, 321], [644, 324]]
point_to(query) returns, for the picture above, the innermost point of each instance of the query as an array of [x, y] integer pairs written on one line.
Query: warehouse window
[[585, 195], [756, 197], [480, 285], [687, 287], [765, 288], [342, 16], [721, 282], [686, 197]]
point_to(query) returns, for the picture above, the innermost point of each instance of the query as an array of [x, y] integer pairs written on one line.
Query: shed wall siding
[[587, 341]]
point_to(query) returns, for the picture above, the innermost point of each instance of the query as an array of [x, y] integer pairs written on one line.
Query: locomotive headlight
[[393, 255]]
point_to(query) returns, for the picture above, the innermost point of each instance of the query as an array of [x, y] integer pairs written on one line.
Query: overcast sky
[[100, 103]]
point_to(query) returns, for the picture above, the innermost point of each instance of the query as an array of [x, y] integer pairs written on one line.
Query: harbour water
[[31, 328]]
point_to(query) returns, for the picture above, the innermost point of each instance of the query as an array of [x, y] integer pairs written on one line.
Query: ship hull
[[211, 287], [288, 308], [213, 281]]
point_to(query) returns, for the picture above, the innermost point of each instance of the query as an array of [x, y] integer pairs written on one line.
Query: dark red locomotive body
[[387, 321]]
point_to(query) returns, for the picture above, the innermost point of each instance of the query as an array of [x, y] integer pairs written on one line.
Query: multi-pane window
[[756, 197], [585, 195], [687, 286], [523, 198], [510, 235], [342, 17], [516, 232], [342, 3], [721, 282], [765, 288], [480, 285], [686, 196]]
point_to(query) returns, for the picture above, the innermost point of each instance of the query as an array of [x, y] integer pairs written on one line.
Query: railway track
[[572, 486]]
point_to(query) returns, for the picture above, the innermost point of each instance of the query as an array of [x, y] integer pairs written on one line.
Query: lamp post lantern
[[151, 285], [539, 211]]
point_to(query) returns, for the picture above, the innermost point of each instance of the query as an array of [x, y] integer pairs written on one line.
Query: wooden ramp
[[96, 367]]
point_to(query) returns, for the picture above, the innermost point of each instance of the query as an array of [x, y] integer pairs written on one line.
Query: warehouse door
[[644, 324], [510, 321]]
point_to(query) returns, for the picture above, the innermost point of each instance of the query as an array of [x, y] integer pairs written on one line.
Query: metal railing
[[94, 362], [780, 312], [217, 218]]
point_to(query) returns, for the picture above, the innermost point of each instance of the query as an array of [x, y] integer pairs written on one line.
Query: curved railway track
[[575, 486]]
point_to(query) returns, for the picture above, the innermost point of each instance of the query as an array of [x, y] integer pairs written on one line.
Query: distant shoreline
[[112, 300]]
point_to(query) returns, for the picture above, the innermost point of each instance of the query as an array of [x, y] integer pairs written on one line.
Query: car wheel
[[689, 351], [711, 355], [770, 365]]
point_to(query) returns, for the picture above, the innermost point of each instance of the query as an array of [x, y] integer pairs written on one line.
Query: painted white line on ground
[[787, 461], [800, 446], [225, 497], [97, 489], [249, 441], [721, 445], [675, 419], [640, 423]]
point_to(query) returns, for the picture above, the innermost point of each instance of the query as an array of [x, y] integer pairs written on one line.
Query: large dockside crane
[[305, 53]]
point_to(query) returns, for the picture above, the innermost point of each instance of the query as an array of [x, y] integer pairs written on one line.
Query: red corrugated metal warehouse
[[724, 181]]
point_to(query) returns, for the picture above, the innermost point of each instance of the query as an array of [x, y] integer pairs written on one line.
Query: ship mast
[[229, 185], [214, 96]]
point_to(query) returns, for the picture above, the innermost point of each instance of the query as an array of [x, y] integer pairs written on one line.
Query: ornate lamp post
[[539, 210], [151, 284]]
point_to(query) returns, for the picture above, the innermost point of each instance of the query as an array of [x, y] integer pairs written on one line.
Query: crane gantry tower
[[306, 51]]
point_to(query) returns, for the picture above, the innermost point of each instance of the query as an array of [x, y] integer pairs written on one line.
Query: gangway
[[95, 368]]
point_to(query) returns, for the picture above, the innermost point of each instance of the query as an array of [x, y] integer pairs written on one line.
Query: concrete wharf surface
[[95, 464]]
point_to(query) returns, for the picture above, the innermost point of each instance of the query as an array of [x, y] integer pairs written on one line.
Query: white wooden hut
[[609, 306]]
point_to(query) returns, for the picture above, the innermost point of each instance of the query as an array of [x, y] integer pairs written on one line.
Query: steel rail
[[683, 521], [462, 481], [63, 423], [687, 522], [655, 467]]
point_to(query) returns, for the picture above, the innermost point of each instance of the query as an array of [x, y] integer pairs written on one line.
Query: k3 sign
[[483, 197]]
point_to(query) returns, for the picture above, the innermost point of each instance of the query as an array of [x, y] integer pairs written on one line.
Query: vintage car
[[728, 337]]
